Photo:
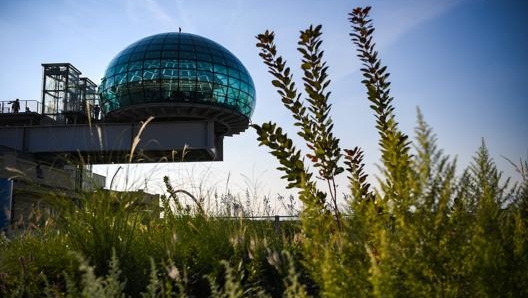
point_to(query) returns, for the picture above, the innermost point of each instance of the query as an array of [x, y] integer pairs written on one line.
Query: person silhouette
[[96, 110], [15, 105]]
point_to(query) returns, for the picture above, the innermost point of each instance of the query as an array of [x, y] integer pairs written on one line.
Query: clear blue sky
[[463, 62]]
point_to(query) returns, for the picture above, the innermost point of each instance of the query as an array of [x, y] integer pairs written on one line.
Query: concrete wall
[[14, 167]]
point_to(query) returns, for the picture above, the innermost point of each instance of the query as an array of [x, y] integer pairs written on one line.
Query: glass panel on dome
[[204, 77], [234, 73], [169, 63], [204, 66], [186, 44], [219, 93], [218, 59], [120, 79], [232, 63], [186, 84], [234, 83], [243, 97], [109, 82], [141, 48], [202, 49], [166, 88], [170, 42], [184, 74], [188, 74], [150, 64], [126, 51], [136, 65], [244, 77], [152, 93], [137, 56], [153, 55], [206, 57], [136, 94], [110, 99], [205, 88], [135, 85], [155, 47], [121, 68], [188, 55], [122, 59], [168, 54], [136, 75], [246, 110], [157, 39], [221, 78], [220, 69], [232, 96], [244, 86], [187, 64], [169, 73], [251, 90], [124, 99], [150, 74], [109, 72]]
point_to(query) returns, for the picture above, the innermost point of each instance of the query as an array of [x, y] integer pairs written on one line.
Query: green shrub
[[422, 231]]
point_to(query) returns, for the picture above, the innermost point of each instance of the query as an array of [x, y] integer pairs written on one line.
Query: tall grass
[[424, 231]]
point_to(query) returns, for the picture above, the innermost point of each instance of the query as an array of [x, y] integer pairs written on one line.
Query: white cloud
[[399, 18], [142, 10], [392, 21]]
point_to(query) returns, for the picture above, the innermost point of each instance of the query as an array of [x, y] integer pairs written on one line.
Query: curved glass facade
[[177, 67]]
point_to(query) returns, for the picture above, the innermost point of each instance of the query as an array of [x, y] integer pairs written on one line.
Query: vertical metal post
[[66, 99], [79, 172], [43, 89], [6, 201], [277, 224]]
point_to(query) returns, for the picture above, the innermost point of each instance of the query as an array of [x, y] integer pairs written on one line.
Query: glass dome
[[174, 69]]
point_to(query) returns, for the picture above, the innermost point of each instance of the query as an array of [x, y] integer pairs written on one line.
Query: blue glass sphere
[[175, 69]]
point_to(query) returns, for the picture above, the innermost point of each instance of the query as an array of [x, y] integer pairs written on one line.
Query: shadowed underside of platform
[[103, 143]]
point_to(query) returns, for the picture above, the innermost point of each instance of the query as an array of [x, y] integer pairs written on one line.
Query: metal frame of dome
[[178, 76]]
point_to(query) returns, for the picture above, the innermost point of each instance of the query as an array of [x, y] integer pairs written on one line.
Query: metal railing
[[6, 106], [276, 219]]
